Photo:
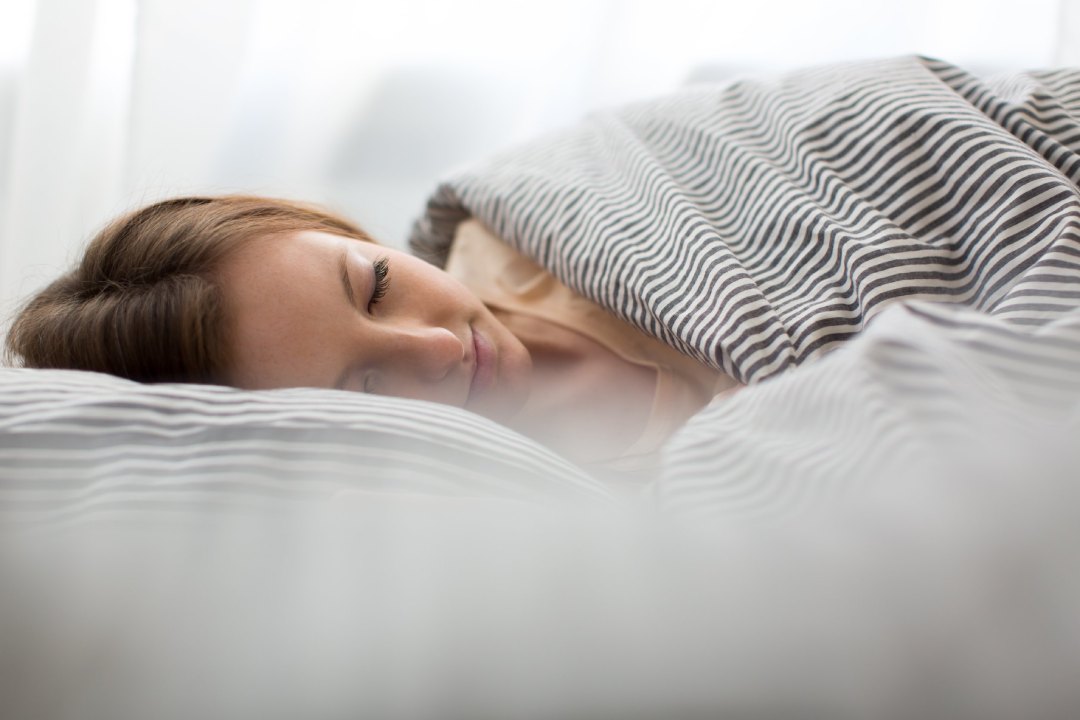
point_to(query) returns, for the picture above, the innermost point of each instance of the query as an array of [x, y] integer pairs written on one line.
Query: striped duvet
[[760, 224]]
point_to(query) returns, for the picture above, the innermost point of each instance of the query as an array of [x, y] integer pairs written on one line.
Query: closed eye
[[381, 269]]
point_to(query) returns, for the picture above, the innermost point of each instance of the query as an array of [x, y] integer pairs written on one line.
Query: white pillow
[[74, 441]]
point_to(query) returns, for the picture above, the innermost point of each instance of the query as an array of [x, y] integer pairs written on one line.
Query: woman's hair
[[144, 302]]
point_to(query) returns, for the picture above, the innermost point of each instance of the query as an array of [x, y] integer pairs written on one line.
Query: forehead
[[279, 255], [280, 300]]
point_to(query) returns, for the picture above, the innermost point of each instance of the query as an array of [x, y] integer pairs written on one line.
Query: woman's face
[[314, 309]]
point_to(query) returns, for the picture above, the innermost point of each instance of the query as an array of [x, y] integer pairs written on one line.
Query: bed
[[882, 524]]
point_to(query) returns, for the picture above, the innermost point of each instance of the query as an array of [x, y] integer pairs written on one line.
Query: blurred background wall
[[109, 104]]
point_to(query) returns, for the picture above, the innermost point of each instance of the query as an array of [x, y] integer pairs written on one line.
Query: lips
[[483, 365]]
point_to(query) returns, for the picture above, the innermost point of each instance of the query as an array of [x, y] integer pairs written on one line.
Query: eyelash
[[382, 279]]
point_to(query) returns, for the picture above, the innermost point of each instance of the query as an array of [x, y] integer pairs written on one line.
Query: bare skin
[[313, 309]]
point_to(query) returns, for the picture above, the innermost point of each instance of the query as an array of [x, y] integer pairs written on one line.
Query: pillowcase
[[73, 442]]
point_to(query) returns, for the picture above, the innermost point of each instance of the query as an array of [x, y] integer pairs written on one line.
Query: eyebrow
[[346, 283]]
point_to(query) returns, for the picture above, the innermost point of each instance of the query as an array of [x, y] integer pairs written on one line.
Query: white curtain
[[108, 104]]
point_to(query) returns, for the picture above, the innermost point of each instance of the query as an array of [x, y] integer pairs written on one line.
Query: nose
[[428, 354]]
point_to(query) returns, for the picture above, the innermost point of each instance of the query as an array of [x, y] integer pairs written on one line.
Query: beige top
[[506, 280]]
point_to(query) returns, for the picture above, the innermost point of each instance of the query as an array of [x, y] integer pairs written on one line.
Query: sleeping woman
[[261, 293], [754, 226]]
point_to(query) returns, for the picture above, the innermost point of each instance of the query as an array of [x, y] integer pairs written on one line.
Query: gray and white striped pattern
[[74, 443], [932, 395], [760, 224]]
